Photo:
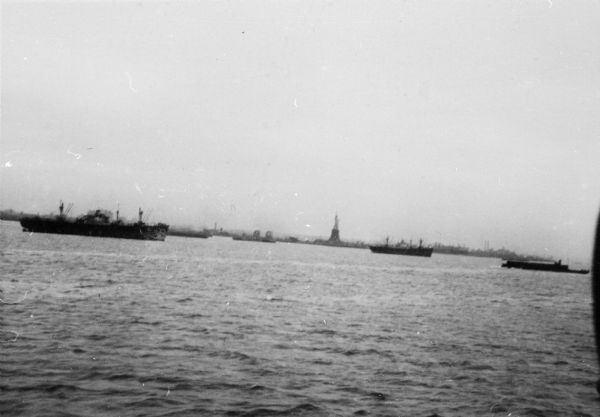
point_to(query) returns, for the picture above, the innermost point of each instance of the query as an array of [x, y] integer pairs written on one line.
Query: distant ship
[[256, 237], [96, 223], [402, 249], [543, 266], [202, 234]]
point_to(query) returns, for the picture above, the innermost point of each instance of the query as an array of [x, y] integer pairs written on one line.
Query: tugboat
[[402, 249], [96, 223], [543, 266]]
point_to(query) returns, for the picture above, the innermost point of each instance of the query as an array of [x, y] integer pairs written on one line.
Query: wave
[[308, 409], [120, 377], [43, 387], [326, 332], [234, 355]]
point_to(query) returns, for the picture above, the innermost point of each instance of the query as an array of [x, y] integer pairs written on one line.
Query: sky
[[456, 122]]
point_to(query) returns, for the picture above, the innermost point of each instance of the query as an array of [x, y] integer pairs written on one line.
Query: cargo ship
[[402, 249], [543, 266], [97, 223]]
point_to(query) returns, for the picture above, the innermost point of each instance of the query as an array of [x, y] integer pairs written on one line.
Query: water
[[188, 327]]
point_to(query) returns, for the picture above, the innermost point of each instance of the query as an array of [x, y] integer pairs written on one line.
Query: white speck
[[549, 4], [296, 103], [161, 196], [295, 194], [130, 82], [138, 188], [16, 335], [8, 164], [76, 155], [308, 225]]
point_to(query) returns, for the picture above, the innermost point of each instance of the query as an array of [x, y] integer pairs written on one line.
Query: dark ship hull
[[189, 233], [65, 226], [395, 250], [543, 266], [253, 239]]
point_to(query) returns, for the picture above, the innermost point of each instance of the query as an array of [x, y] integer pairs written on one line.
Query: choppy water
[[186, 327]]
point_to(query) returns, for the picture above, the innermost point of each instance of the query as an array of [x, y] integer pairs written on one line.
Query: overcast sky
[[451, 121]]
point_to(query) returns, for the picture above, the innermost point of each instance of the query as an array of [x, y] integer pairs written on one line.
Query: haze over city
[[455, 122]]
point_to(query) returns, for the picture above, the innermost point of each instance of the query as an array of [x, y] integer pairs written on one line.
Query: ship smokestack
[[140, 214], [61, 207]]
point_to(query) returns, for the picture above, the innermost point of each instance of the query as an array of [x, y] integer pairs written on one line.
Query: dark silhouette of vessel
[[96, 223], [402, 249], [200, 234], [543, 266], [256, 237]]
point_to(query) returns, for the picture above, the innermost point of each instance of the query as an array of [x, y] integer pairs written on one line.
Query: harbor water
[[193, 327]]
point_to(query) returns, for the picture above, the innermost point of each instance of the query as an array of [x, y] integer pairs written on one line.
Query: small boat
[[402, 249], [557, 266]]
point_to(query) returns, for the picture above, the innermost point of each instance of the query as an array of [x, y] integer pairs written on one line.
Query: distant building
[[335, 232]]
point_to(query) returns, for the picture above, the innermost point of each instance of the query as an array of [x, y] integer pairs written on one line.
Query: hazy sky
[[454, 121]]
